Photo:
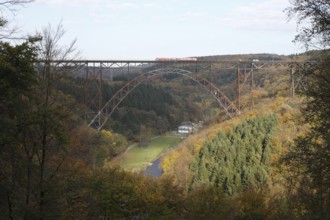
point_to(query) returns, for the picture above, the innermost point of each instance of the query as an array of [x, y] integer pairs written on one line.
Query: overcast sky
[[146, 29]]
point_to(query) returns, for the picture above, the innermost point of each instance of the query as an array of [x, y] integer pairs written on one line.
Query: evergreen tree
[[239, 159]]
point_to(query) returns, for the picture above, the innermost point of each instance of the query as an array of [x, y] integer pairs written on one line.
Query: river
[[154, 170]]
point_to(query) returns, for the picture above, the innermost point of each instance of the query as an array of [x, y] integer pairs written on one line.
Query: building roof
[[187, 123]]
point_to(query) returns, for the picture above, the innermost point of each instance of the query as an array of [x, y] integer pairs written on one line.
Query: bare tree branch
[[6, 31], [51, 48], [313, 22]]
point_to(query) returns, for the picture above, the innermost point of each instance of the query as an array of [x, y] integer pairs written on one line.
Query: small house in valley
[[186, 128]]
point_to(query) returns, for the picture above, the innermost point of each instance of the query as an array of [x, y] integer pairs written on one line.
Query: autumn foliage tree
[[312, 151]]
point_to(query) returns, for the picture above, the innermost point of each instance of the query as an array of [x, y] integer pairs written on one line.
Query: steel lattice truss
[[141, 64]]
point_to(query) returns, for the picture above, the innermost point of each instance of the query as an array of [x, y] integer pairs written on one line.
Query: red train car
[[176, 59]]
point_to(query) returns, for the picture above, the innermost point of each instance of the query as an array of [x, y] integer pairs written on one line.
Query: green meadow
[[139, 157]]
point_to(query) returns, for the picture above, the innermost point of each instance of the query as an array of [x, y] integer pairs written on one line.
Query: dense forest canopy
[[239, 159]]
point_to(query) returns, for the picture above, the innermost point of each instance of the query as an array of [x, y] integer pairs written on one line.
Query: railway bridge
[[201, 72]]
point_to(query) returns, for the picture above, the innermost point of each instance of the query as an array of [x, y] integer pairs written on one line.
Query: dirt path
[[119, 156]]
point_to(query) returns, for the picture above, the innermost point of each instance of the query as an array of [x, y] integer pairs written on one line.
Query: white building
[[186, 128]]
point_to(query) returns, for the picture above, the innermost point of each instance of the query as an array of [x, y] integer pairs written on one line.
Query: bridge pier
[[245, 82], [299, 74], [292, 72], [238, 88]]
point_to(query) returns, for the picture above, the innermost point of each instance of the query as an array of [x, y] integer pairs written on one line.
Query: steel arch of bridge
[[99, 120]]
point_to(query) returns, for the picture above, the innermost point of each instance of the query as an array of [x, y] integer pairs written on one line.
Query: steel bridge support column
[[85, 91], [245, 83], [252, 103], [111, 74], [238, 89], [100, 95], [94, 92], [211, 73], [292, 72]]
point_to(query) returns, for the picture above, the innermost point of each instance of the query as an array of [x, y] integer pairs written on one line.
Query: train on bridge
[[176, 59]]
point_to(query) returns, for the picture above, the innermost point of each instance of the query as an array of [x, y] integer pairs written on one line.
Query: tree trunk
[[42, 173], [10, 207]]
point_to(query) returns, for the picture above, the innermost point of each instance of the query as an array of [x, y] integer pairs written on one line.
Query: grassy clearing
[[139, 157]]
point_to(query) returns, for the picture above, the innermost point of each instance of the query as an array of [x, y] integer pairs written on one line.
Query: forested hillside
[[239, 159]]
